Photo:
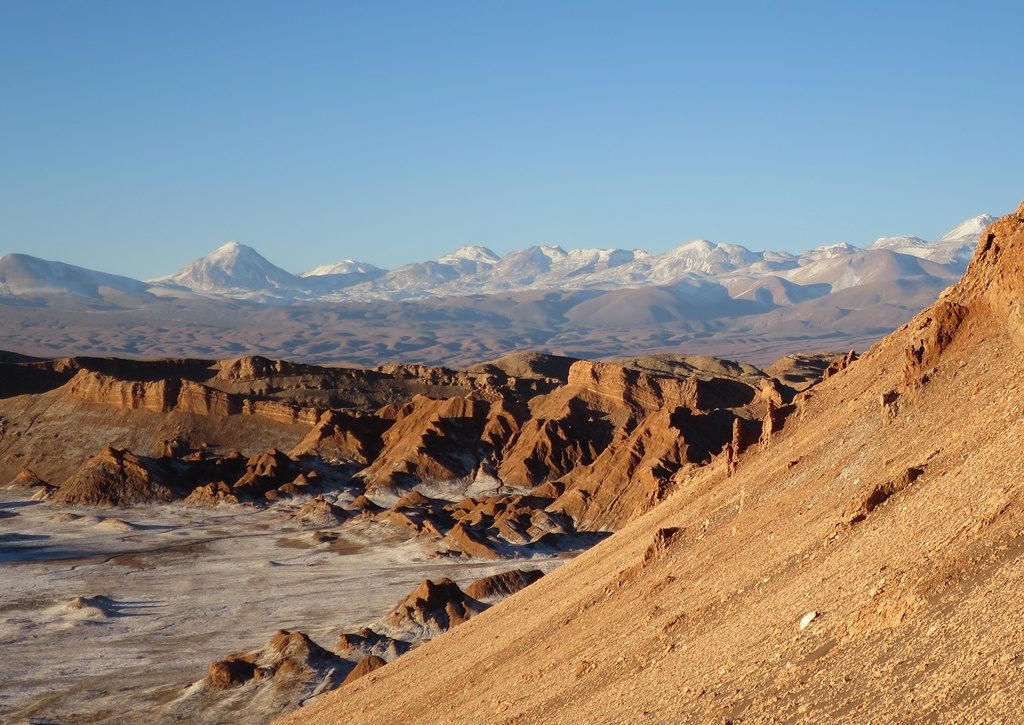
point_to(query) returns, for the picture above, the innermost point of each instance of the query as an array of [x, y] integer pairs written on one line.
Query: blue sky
[[139, 135]]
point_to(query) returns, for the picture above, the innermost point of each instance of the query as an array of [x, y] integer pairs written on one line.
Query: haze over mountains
[[473, 304]]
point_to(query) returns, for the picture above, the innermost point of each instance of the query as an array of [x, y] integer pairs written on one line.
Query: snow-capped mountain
[[345, 266], [900, 243], [24, 276], [238, 271], [479, 255], [968, 231], [235, 270], [703, 256], [872, 266], [954, 247]]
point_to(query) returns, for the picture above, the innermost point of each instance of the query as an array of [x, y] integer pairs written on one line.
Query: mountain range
[[472, 304], [238, 271]]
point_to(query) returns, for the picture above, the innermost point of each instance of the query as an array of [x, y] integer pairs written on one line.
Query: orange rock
[[230, 673], [116, 477], [431, 609], [499, 586], [344, 436], [430, 440], [364, 667]]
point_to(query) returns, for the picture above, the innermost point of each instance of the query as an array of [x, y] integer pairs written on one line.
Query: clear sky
[[138, 135]]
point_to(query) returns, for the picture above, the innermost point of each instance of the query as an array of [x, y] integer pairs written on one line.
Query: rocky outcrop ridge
[[319, 513], [606, 439], [430, 609], [287, 654], [341, 435], [496, 587], [635, 472], [117, 477], [430, 440], [27, 479], [609, 402], [182, 396]]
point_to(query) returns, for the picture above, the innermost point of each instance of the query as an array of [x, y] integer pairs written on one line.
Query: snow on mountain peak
[[24, 275], [473, 253], [968, 230], [837, 247], [237, 270], [553, 251], [897, 242], [345, 266], [697, 245], [231, 268], [231, 247]]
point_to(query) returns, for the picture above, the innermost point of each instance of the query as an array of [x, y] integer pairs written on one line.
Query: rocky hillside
[[861, 563], [510, 457]]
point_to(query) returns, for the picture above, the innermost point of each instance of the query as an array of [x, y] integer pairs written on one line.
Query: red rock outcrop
[[211, 494], [250, 367], [430, 609], [994, 281], [418, 513], [116, 478], [181, 396], [430, 440], [602, 403], [288, 655], [364, 667], [93, 387], [344, 436], [362, 504], [499, 586], [633, 473], [840, 363], [368, 642], [264, 472], [27, 479], [464, 540], [504, 420]]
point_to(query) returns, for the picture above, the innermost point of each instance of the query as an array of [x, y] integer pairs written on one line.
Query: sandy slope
[[916, 605]]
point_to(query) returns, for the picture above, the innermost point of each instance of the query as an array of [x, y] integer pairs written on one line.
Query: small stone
[[806, 620]]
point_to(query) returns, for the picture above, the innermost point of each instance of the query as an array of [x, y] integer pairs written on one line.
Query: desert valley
[[511, 363], [246, 496], [234, 539]]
